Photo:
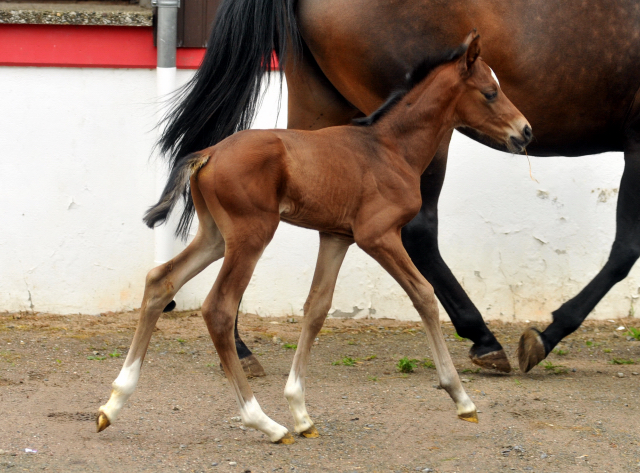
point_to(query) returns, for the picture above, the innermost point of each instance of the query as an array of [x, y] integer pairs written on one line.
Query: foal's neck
[[416, 125]]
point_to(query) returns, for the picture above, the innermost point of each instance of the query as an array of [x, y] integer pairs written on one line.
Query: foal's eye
[[490, 95]]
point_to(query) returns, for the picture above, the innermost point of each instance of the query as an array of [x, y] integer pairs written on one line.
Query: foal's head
[[483, 106]]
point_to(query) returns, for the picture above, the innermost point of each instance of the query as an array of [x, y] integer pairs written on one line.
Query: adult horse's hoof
[[252, 367], [311, 433], [530, 350], [287, 439], [495, 360], [469, 417], [102, 422]]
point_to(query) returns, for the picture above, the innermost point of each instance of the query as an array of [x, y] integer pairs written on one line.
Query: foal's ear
[[473, 51]]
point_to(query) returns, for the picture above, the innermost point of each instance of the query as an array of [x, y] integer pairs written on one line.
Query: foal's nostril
[[527, 133]]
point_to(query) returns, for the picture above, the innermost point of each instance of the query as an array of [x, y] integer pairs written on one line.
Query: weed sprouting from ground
[[555, 369], [633, 332], [345, 361], [405, 365], [290, 346], [622, 361], [428, 363]]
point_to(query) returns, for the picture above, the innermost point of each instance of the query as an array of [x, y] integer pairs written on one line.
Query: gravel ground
[[579, 412]]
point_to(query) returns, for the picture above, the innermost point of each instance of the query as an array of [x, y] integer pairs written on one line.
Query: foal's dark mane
[[413, 78]]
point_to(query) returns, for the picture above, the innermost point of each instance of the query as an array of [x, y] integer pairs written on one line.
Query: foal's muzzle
[[519, 143]]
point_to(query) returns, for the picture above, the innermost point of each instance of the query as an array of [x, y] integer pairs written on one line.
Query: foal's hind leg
[[161, 286], [244, 248], [330, 257], [387, 249]]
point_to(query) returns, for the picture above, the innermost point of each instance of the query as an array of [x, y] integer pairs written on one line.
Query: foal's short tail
[[177, 185]]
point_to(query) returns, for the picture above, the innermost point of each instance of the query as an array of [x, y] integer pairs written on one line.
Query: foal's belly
[[322, 216]]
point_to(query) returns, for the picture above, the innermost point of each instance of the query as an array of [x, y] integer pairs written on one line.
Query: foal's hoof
[[102, 422], [495, 360], [287, 439], [530, 350], [469, 416], [252, 367], [311, 433], [170, 306]]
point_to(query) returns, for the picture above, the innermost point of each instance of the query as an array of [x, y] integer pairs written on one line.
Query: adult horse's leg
[[250, 364], [535, 346], [313, 103], [161, 286], [330, 256], [388, 250], [420, 238]]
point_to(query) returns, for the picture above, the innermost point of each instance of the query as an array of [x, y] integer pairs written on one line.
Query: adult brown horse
[[572, 68]]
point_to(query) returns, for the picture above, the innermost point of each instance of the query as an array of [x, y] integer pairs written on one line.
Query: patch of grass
[[555, 369], [560, 352], [607, 350], [372, 378], [405, 365], [345, 361], [115, 354], [458, 337], [622, 361], [371, 357], [181, 340], [290, 346], [517, 381], [58, 361], [588, 343], [428, 363], [96, 357], [633, 332], [469, 370], [351, 342], [210, 365]]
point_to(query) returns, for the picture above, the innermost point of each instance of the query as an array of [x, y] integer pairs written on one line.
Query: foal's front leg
[[387, 249], [162, 284], [330, 256]]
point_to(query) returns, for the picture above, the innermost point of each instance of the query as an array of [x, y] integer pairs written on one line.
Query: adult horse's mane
[[413, 78]]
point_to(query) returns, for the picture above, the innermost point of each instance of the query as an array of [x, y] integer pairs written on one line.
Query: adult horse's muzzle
[[517, 144]]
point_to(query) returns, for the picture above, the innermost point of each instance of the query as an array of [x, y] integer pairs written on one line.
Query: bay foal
[[351, 183]]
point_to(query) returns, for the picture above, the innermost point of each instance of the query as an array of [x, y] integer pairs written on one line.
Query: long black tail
[[223, 95]]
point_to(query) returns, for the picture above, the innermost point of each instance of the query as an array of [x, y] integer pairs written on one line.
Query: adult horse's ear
[[473, 51]]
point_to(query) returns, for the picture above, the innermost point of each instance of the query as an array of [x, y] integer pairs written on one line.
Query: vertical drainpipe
[[167, 32]]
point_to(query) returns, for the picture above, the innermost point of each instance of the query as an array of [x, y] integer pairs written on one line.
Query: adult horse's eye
[[490, 95]]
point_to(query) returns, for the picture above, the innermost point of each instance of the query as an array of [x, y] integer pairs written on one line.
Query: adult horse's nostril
[[527, 133]]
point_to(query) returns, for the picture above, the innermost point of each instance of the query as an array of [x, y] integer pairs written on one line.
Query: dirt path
[[55, 371]]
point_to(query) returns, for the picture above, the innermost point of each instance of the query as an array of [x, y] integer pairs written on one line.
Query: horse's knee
[[622, 259], [159, 290]]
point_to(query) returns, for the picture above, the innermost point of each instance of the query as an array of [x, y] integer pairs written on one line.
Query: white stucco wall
[[76, 179]]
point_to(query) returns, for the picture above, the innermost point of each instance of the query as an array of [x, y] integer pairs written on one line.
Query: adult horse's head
[[483, 106]]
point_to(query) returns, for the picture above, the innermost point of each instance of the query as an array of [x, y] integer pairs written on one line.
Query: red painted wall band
[[85, 46]]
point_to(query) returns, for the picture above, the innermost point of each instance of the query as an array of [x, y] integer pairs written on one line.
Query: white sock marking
[[122, 389], [252, 416], [294, 392]]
